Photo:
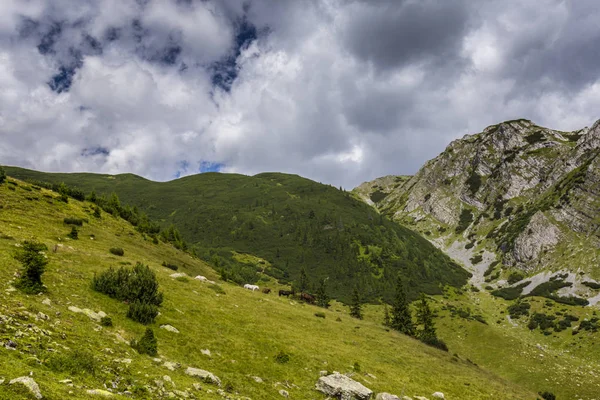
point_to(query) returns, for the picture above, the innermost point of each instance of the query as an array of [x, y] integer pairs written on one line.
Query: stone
[[257, 379], [386, 396], [66, 381], [10, 345], [42, 316], [178, 275], [204, 375], [343, 387], [323, 373], [201, 278], [168, 379], [171, 366], [169, 328], [438, 395], [30, 384], [47, 302], [99, 392], [206, 352], [197, 386], [421, 398], [284, 393], [74, 309]]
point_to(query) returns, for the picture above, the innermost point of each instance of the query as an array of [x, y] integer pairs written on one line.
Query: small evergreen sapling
[[356, 305], [34, 264], [147, 344], [74, 234]]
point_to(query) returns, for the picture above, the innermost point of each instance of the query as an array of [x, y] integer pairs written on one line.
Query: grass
[[244, 330]]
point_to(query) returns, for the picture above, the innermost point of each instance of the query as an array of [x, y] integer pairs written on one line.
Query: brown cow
[[266, 290], [286, 293], [309, 298]]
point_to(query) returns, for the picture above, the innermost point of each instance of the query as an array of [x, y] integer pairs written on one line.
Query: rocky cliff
[[528, 194]]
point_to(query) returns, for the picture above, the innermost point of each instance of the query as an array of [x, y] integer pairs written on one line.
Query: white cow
[[201, 278], [251, 287]]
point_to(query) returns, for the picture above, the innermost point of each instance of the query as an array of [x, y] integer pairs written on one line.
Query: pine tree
[[356, 305], [401, 316], [322, 298], [386, 316], [74, 234], [2, 175], [303, 281], [34, 265], [425, 318]]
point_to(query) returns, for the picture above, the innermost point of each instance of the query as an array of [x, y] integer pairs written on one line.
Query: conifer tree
[[401, 315], [322, 297], [34, 265], [303, 281], [2, 175], [425, 318], [356, 305], [386, 315]]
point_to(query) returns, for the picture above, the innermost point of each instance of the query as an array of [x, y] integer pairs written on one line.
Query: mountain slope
[[516, 196], [288, 222], [243, 330]]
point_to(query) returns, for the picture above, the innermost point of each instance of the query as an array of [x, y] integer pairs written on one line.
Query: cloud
[[340, 91]]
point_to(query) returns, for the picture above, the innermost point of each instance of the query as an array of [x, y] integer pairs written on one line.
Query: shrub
[[320, 315], [2, 175], [519, 309], [477, 259], [592, 285], [282, 357], [435, 342], [73, 221], [474, 182], [137, 285], [74, 362], [466, 217], [106, 321], [117, 251], [170, 266], [510, 293], [147, 344], [547, 395], [143, 313], [469, 245], [356, 367], [74, 234], [515, 277], [535, 137], [34, 264]]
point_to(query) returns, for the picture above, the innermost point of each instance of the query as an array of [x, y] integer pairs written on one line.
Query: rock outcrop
[[204, 375], [342, 387], [30, 384]]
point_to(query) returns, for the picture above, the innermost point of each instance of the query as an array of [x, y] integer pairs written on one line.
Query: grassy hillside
[[243, 330], [288, 222]]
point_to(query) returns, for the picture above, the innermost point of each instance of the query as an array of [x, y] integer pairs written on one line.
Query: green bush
[[515, 277], [117, 251], [144, 313], [74, 362], [282, 357], [106, 321], [74, 234], [518, 309], [466, 217], [547, 395], [34, 264], [510, 293], [474, 182], [73, 221], [147, 344], [476, 259], [592, 285], [170, 266], [137, 285], [2, 175]]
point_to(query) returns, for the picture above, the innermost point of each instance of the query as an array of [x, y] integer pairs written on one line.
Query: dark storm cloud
[[340, 91], [390, 34]]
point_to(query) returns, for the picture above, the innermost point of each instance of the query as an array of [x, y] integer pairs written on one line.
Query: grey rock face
[[343, 387], [539, 235], [386, 396]]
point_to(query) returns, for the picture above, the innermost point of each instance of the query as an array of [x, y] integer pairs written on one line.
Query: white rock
[[99, 392], [340, 385], [47, 301], [197, 386], [171, 366], [66, 381], [206, 352], [169, 328], [30, 384], [75, 309], [438, 395], [202, 374], [201, 278], [284, 393], [257, 379], [386, 396], [178, 275]]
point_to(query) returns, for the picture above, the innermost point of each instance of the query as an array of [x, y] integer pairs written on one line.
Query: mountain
[[280, 224], [517, 204], [242, 337]]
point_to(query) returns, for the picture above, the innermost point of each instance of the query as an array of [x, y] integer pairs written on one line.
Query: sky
[[339, 91]]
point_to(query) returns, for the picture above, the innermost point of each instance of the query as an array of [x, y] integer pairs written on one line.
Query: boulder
[[30, 384], [386, 396], [169, 328], [206, 352], [204, 375], [342, 387], [178, 275], [438, 395], [284, 393], [99, 392], [171, 366]]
